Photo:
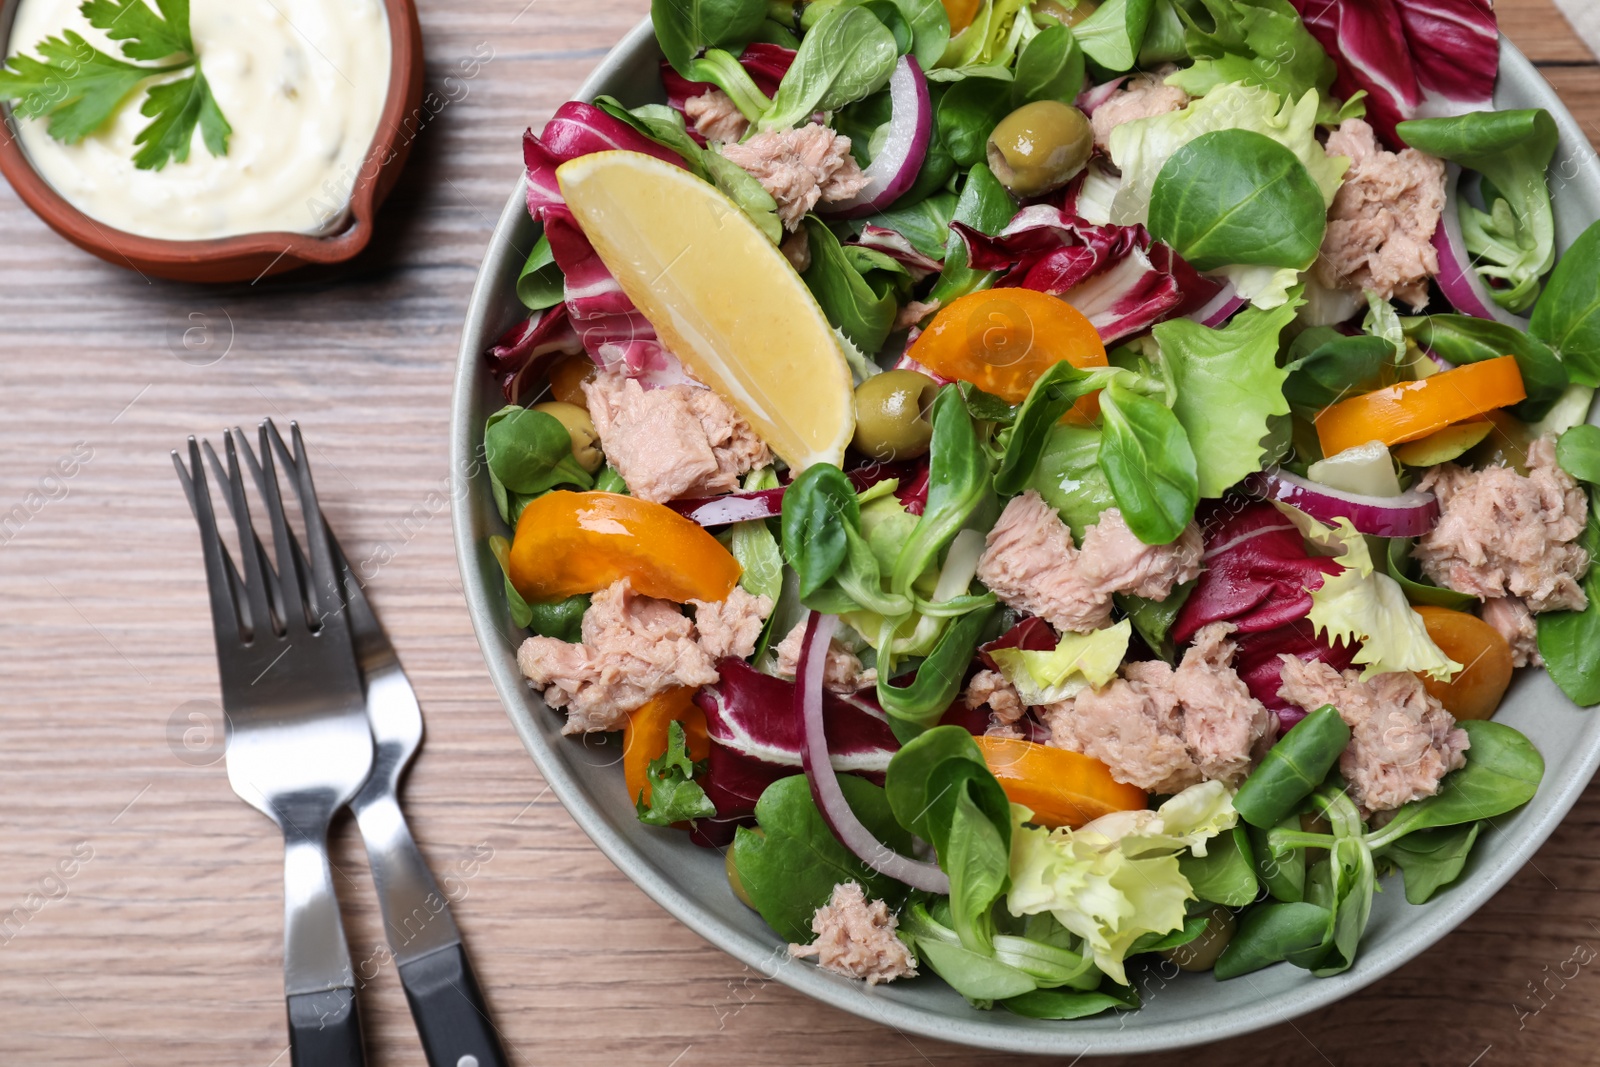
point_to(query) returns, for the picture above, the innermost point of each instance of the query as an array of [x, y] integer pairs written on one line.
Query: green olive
[[1066, 12], [585, 442], [892, 414], [735, 883], [1201, 953], [1039, 147]]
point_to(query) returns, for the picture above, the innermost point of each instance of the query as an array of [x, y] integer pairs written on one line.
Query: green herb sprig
[[78, 87]]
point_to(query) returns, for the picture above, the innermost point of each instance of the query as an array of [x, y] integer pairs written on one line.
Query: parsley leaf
[[149, 35], [73, 83], [674, 794], [177, 108], [79, 88]]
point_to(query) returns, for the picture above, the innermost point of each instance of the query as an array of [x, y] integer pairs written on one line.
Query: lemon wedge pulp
[[721, 297]]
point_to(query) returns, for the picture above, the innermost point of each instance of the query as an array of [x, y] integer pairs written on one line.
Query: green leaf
[[925, 223], [743, 189], [1069, 476], [560, 619], [987, 207], [540, 284], [521, 615], [175, 109], [1400, 567], [1578, 453], [1233, 369], [1072, 1004], [684, 27], [663, 125], [958, 482], [1238, 197], [1257, 42], [1567, 317], [847, 55], [789, 867], [77, 86], [1326, 366], [1568, 639], [1226, 874], [1153, 619], [967, 114], [530, 452], [1270, 933], [862, 313], [1292, 769], [674, 794], [1052, 393], [1502, 773], [1282, 870], [927, 20], [1149, 463], [1513, 243], [147, 35], [929, 695], [1050, 67], [1432, 859], [1112, 34], [818, 508], [1462, 339]]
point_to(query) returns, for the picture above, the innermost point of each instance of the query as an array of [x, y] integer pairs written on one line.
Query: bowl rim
[[1466, 897], [248, 256]]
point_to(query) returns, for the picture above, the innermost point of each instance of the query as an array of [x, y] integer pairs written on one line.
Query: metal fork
[[298, 744], [446, 1003]]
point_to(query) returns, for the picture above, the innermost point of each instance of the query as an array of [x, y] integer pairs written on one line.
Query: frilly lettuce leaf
[[1117, 878], [1265, 287], [1362, 604], [991, 40], [1077, 662], [1142, 147], [1232, 370]]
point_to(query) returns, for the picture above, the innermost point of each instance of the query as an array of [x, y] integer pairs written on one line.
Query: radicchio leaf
[[1257, 572], [1120, 277], [523, 348], [1259, 664], [897, 247], [1413, 57]]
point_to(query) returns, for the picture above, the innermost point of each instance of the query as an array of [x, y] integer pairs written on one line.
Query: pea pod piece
[[1294, 767]]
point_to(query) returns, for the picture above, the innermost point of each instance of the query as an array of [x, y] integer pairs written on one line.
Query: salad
[[1043, 483]]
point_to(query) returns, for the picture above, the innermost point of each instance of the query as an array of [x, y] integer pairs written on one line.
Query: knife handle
[[325, 1029], [449, 1010]]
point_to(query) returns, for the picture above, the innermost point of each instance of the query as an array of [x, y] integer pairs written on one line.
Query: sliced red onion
[[1220, 308], [1092, 97], [1457, 279], [824, 782], [896, 166], [733, 507], [907, 363], [1411, 514]]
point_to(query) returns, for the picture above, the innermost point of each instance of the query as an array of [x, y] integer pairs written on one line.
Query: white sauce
[[303, 84]]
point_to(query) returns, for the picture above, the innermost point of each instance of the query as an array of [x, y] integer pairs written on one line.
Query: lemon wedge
[[721, 297]]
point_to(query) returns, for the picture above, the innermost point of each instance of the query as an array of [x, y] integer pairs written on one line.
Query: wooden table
[[161, 945]]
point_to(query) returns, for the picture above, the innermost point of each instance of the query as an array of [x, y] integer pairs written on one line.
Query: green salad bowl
[[690, 882]]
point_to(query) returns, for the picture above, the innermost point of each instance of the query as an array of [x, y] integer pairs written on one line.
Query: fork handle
[[325, 1029], [449, 1010]]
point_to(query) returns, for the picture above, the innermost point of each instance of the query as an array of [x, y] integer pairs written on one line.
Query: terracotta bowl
[[246, 257]]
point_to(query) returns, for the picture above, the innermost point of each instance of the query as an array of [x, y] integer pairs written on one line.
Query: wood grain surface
[[140, 916]]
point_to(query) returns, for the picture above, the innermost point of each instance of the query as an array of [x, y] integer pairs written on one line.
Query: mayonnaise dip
[[303, 84]]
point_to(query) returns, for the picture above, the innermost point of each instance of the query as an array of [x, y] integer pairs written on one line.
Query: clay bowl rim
[[249, 256]]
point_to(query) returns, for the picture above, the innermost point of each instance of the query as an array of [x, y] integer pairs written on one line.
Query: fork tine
[[256, 600], [291, 569], [225, 615], [274, 588], [325, 583]]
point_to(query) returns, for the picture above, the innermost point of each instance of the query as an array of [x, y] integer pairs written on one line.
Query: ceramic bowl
[[251, 256], [690, 882]]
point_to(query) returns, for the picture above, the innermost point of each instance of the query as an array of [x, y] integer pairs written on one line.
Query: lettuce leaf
[[1226, 385], [1258, 42], [1077, 662], [1117, 878], [1141, 148], [1363, 604]]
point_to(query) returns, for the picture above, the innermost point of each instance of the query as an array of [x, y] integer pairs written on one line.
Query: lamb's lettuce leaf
[[1257, 42]]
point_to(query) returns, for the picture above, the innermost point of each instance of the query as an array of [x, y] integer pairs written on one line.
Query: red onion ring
[[1220, 308], [895, 168], [824, 782], [1411, 514]]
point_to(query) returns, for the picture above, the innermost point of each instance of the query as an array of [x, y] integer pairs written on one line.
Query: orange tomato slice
[[645, 736], [1063, 788], [961, 13], [1001, 340], [1411, 410], [1476, 691], [570, 543]]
